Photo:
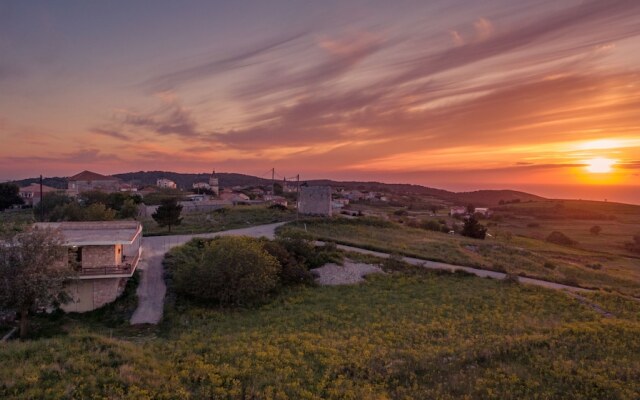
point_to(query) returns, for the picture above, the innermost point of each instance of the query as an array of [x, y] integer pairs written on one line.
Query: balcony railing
[[122, 269]]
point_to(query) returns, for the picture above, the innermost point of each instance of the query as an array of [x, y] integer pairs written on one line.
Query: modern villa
[[104, 254]]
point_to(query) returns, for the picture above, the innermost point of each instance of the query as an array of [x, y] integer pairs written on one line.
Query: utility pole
[[273, 181], [41, 203], [297, 198]]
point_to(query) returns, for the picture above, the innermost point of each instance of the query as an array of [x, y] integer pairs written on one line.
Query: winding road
[[152, 289]]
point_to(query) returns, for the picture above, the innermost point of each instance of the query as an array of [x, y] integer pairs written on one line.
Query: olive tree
[[31, 274]]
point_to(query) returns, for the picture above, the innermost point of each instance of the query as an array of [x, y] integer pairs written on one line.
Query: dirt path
[[483, 273], [151, 290]]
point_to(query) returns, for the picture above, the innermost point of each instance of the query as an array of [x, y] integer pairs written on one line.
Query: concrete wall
[[89, 294], [98, 256], [315, 200]]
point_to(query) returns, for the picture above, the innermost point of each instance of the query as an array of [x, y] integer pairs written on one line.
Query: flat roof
[[95, 233]]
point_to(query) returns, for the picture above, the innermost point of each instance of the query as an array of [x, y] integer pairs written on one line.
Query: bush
[[511, 278], [230, 270], [473, 229], [431, 225], [595, 230], [292, 270], [549, 265], [634, 245], [533, 225], [401, 213], [560, 238], [595, 266]]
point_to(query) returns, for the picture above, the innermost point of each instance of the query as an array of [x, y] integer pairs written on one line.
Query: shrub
[[229, 270], [473, 229], [560, 238], [549, 265], [595, 266], [511, 278], [292, 270], [401, 213], [634, 245], [595, 230], [533, 225], [431, 225]]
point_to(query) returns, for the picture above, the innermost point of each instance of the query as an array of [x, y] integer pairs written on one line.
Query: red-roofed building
[[31, 194], [86, 181]]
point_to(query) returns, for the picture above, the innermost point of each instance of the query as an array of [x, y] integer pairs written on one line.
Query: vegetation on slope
[[220, 220], [424, 335], [506, 253]]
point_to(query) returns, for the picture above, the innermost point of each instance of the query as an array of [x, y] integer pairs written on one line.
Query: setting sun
[[600, 165]]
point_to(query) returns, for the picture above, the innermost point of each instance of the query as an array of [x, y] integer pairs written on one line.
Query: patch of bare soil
[[348, 274]]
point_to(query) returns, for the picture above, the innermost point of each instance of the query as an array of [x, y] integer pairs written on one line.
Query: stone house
[[86, 181], [104, 254], [315, 200], [31, 194]]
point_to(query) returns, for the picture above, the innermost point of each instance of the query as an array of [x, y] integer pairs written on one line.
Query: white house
[[166, 183], [458, 210]]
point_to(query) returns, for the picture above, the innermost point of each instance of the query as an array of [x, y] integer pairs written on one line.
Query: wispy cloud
[[110, 133], [215, 65]]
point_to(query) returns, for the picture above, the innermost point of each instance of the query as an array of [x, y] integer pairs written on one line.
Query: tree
[[473, 229], [31, 275], [595, 230], [229, 270], [98, 212], [9, 195], [471, 209], [168, 213], [52, 205], [129, 209]]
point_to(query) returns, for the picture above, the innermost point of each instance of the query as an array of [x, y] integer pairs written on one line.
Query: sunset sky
[[541, 96]]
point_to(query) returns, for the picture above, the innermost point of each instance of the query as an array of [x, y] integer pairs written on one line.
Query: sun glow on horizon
[[600, 165]]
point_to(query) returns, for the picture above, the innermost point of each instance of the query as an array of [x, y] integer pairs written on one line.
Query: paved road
[[151, 290]]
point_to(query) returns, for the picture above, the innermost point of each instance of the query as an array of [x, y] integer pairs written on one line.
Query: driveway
[[151, 290]]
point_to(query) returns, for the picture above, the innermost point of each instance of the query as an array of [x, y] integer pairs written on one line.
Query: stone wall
[[315, 200], [89, 294]]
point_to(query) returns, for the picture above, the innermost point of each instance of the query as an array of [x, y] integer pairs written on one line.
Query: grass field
[[398, 336], [619, 222], [513, 254], [214, 221]]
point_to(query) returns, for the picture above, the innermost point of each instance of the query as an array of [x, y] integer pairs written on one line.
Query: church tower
[[213, 182]]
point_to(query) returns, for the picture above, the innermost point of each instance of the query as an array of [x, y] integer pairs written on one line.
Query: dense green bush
[[292, 270], [473, 229], [560, 238], [228, 270]]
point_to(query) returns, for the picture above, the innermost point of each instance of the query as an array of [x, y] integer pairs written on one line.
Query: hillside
[[184, 181]]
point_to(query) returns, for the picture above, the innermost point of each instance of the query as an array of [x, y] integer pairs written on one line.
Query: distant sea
[[620, 194]]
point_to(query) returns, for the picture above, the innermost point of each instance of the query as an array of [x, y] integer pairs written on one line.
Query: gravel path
[[151, 290], [483, 273], [347, 274]]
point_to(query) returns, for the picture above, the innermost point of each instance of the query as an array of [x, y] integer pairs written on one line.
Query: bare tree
[[32, 272]]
